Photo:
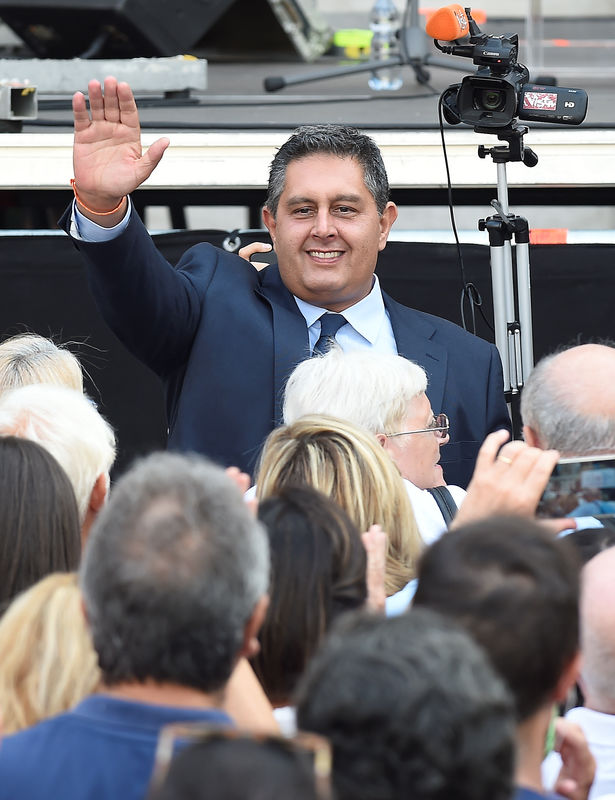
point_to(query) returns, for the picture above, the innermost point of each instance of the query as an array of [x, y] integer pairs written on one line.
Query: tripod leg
[[514, 351], [415, 44], [500, 311], [421, 74], [524, 294]]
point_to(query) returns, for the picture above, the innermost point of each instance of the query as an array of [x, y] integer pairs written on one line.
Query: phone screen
[[580, 487]]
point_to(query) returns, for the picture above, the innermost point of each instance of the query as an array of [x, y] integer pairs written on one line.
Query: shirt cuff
[[87, 231]]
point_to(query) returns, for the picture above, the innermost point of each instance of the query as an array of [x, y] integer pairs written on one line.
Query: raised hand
[[107, 158], [578, 765], [509, 480], [375, 543]]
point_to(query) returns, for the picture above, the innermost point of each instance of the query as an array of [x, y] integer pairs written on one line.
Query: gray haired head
[[569, 400], [336, 140], [173, 569]]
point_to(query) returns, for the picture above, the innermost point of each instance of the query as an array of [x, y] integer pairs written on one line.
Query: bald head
[[585, 375], [568, 403], [598, 632]]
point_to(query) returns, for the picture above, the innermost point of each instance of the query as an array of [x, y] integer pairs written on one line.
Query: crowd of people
[[334, 585]]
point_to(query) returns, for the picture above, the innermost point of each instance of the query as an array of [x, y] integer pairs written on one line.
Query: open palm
[[107, 157]]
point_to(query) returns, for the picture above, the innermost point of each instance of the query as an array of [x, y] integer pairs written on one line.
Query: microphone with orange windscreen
[[448, 24]]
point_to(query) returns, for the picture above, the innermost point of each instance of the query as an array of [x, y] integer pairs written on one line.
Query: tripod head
[[514, 151]]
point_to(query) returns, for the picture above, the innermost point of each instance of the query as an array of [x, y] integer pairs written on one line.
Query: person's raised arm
[[578, 764], [108, 161], [508, 479]]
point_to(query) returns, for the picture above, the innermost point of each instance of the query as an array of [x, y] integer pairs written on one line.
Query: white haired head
[[371, 390], [29, 358], [66, 424]]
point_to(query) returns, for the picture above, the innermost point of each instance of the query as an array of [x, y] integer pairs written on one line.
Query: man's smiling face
[[327, 231]]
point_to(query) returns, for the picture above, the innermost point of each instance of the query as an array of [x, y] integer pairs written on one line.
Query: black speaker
[[110, 28], [267, 30], [145, 28]]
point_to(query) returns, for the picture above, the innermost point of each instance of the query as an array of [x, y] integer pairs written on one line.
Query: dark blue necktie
[[329, 326]]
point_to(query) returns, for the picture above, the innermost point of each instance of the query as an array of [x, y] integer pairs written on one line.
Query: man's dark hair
[[39, 521], [336, 140], [172, 571], [412, 709], [318, 567], [515, 589]]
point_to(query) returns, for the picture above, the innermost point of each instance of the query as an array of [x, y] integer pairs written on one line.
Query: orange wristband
[[91, 210]]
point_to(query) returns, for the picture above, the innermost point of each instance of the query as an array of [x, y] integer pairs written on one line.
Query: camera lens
[[490, 99]]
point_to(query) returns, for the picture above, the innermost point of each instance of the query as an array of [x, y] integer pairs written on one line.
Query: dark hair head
[[239, 769], [336, 140], [171, 574], [412, 709], [39, 522], [515, 588], [317, 573]]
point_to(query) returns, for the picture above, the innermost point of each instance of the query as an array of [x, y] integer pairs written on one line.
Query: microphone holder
[[415, 51], [512, 320]]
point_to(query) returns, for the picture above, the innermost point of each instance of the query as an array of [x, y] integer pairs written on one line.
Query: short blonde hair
[[48, 664], [346, 463], [30, 358]]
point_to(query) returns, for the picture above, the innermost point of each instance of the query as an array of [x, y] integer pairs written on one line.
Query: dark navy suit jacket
[[224, 338]]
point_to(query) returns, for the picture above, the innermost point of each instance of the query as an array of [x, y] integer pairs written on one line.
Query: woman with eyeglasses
[[385, 394]]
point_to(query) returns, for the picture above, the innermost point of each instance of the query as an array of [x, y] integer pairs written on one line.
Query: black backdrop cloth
[[43, 288]]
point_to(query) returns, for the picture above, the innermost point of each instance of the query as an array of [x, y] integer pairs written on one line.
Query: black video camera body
[[500, 90]]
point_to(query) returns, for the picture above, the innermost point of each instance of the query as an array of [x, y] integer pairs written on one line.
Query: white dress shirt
[[368, 324]]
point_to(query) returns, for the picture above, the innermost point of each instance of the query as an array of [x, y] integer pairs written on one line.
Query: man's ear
[[98, 495], [382, 440], [568, 678], [251, 645], [388, 217], [531, 437], [269, 221], [99, 492]]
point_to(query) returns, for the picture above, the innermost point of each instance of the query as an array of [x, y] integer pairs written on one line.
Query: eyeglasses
[[439, 427], [176, 736]]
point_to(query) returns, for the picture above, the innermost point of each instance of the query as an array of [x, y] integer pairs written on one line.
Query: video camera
[[499, 91]]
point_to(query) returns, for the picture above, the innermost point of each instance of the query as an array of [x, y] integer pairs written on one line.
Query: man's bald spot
[[585, 377]]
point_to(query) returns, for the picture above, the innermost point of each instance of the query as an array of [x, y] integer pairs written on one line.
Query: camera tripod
[[415, 51], [513, 332]]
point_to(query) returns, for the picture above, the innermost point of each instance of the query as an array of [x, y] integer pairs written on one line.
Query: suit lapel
[[414, 336], [290, 336]]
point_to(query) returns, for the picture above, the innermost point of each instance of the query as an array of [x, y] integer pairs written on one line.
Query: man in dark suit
[[225, 337]]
